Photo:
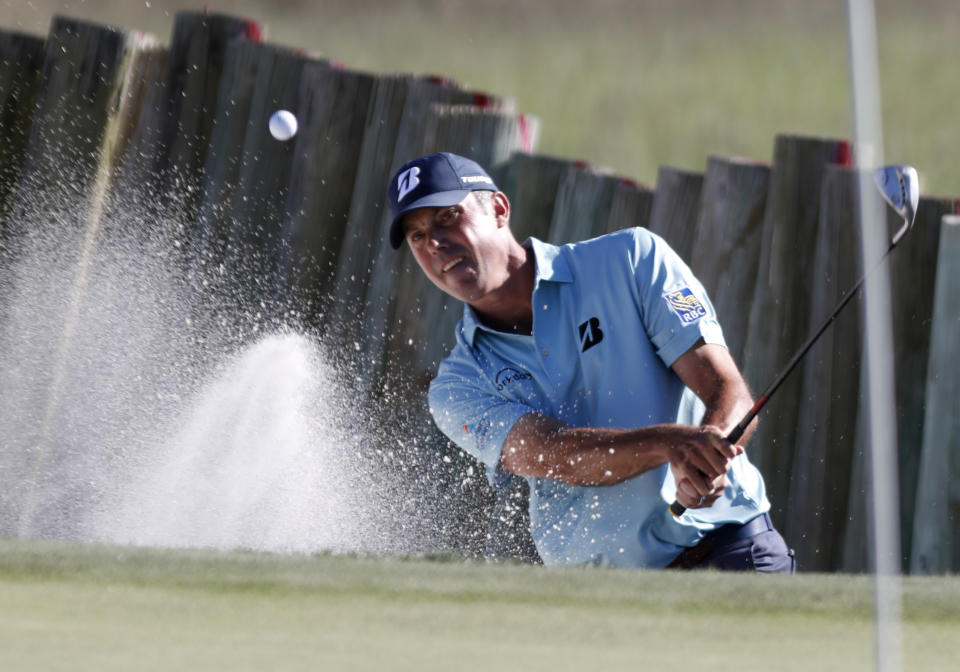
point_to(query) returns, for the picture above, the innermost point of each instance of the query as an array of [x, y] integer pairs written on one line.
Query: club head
[[900, 187]]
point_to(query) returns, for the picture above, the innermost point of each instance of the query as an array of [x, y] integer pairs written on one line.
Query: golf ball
[[283, 125]]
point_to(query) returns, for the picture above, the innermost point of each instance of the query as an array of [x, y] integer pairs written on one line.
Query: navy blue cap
[[433, 181]]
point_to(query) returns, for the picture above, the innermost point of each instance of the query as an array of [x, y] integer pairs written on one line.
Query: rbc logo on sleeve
[[687, 306]]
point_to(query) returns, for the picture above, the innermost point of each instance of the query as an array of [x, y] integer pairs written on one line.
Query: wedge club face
[[900, 187]]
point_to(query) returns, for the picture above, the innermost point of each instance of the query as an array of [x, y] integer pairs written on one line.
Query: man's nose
[[437, 238]]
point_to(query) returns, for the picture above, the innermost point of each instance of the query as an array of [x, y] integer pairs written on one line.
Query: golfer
[[595, 370]]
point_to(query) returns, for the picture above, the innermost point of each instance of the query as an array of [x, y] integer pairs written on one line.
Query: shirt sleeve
[[675, 308], [471, 414]]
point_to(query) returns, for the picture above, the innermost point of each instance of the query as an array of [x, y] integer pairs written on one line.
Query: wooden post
[[257, 207], [21, 63], [333, 117], [145, 95], [675, 208], [124, 169], [908, 310], [564, 201], [225, 156], [363, 233], [779, 320], [84, 69], [89, 103], [196, 64], [936, 519], [727, 249], [584, 200], [632, 204], [531, 183], [826, 422], [913, 269]]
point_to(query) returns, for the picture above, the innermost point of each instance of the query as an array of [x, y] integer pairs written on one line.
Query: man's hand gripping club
[[699, 464]]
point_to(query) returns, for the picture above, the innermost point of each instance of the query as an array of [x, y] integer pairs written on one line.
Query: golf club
[[899, 186]]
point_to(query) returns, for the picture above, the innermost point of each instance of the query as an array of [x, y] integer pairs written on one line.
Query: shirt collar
[[551, 266]]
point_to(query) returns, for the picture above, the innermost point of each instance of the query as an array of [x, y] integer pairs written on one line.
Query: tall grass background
[[627, 84]]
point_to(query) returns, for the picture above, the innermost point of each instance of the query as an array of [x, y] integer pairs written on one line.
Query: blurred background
[[626, 84]]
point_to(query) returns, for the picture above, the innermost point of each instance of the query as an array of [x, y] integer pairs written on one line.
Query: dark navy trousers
[[755, 545]]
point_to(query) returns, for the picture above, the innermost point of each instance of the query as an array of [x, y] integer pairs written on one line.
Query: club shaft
[[676, 508]]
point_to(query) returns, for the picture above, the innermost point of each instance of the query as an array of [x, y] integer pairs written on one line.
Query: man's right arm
[[541, 446], [512, 436]]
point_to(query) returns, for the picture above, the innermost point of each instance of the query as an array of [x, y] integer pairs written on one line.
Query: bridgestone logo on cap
[[407, 182], [470, 179]]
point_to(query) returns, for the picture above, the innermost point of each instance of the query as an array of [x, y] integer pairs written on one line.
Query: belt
[[720, 537]]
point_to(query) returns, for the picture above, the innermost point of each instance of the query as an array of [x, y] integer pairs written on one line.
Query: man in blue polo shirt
[[598, 372]]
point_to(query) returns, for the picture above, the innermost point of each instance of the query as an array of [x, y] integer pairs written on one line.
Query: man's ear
[[501, 208]]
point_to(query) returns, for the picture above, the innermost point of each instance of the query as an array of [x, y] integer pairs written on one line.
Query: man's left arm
[[711, 373]]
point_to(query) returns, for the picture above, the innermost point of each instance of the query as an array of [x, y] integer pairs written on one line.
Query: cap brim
[[440, 199]]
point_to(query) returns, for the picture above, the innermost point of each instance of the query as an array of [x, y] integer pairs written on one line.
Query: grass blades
[[77, 606]]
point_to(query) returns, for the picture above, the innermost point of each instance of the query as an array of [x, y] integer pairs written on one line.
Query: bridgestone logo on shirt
[[590, 334]]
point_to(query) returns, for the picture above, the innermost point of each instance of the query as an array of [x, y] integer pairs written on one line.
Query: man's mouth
[[450, 264]]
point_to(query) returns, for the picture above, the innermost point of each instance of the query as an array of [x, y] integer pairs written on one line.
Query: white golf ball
[[283, 125]]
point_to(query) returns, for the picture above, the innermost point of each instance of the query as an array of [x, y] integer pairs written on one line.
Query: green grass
[[70, 606], [626, 84]]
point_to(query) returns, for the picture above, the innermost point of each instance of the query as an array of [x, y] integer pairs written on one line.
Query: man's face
[[462, 248]]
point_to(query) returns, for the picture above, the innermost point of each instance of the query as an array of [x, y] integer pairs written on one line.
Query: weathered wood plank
[[144, 95], [225, 157], [675, 208], [198, 53], [727, 249], [632, 205], [87, 109], [363, 234], [531, 182], [913, 269], [83, 74], [779, 318], [21, 64], [333, 118], [909, 326], [583, 203], [825, 423], [936, 520], [257, 210]]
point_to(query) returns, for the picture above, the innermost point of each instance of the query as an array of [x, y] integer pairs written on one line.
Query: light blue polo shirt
[[610, 316]]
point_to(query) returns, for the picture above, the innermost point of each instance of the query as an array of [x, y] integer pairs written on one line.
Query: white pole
[[878, 341]]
